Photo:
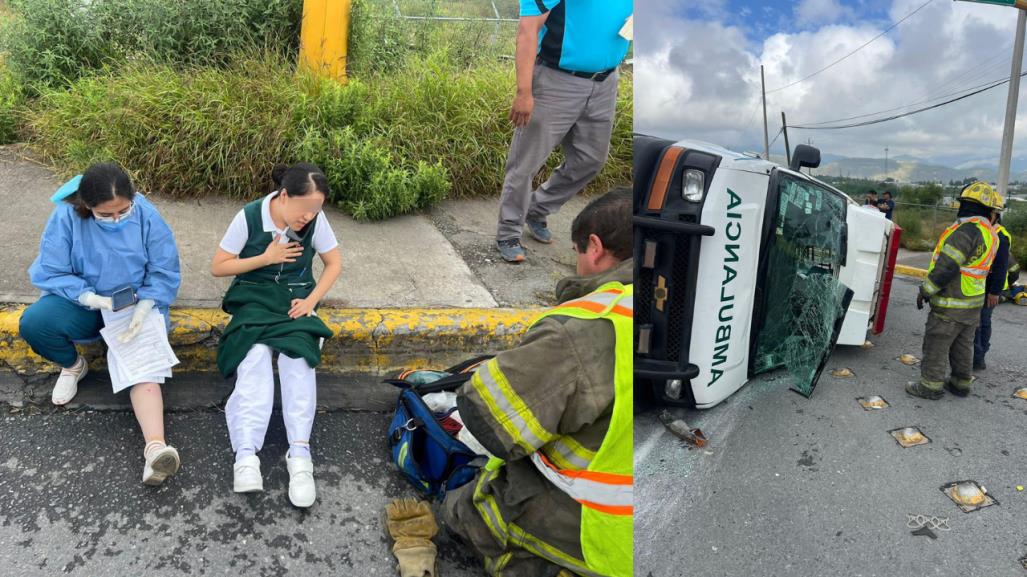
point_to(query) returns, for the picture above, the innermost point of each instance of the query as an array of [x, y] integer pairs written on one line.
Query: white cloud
[[700, 79], [821, 11]]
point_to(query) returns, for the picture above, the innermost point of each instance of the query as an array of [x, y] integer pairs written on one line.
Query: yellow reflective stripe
[[508, 409], [567, 453], [930, 288], [495, 565], [536, 546], [954, 253], [487, 508], [958, 303]]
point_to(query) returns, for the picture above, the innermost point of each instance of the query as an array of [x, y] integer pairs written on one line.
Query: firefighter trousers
[[948, 344]]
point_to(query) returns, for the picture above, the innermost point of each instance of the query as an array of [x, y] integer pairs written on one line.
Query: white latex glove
[[142, 309], [93, 301]]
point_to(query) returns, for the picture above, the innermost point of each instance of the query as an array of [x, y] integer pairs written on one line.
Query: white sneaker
[[67, 384], [301, 481], [162, 464], [247, 475]]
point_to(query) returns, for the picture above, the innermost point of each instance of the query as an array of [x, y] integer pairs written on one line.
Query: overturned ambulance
[[744, 266]]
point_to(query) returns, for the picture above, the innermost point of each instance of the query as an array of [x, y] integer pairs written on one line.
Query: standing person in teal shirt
[[101, 237], [567, 56], [270, 248]]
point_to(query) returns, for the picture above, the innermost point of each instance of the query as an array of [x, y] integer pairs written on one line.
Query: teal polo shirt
[[581, 35]]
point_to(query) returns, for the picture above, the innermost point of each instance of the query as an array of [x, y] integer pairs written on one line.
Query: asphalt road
[[811, 487], [71, 501]]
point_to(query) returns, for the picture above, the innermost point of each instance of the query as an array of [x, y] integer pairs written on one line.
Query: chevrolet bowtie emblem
[[660, 294]]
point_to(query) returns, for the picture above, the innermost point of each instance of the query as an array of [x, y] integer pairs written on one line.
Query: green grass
[[54, 42], [12, 104]]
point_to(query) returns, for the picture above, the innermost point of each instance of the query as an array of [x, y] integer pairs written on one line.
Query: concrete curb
[[368, 344], [910, 271]]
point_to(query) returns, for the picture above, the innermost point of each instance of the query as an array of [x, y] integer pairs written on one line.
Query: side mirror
[[805, 156]]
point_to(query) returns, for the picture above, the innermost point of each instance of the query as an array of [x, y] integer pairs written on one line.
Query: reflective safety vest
[[604, 487], [973, 274], [999, 229]]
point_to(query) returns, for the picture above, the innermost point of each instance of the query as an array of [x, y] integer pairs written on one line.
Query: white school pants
[[249, 408]]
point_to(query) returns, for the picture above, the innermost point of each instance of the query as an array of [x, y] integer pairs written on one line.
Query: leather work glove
[[93, 301], [919, 301], [412, 525], [142, 309]]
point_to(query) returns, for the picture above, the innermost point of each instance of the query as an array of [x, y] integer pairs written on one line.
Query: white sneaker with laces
[[67, 384], [160, 465], [247, 475], [301, 481]]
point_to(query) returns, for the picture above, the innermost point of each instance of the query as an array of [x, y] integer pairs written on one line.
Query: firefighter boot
[[958, 387], [919, 389]]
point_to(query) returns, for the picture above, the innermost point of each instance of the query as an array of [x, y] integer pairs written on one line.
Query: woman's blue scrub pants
[[52, 326]]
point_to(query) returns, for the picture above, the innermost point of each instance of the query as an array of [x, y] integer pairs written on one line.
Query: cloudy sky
[[697, 74]]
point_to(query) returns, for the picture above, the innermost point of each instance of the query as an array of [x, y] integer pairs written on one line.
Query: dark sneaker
[[918, 390], [539, 231], [956, 390], [980, 366], [511, 250]]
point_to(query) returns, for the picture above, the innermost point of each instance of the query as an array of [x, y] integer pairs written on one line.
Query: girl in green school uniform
[[269, 248]]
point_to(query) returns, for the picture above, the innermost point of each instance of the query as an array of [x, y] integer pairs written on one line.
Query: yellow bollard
[[324, 37]]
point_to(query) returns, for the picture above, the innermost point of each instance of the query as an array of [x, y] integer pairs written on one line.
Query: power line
[[897, 116], [864, 45], [904, 106]]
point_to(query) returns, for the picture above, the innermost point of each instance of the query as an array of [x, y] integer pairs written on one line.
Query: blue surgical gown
[[76, 255]]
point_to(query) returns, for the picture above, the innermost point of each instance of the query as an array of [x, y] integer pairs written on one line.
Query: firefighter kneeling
[[557, 413], [955, 289]]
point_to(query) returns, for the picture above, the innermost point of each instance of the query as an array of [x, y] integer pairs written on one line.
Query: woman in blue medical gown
[[101, 237]]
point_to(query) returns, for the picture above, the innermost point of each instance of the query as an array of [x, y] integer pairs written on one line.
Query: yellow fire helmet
[[983, 193]]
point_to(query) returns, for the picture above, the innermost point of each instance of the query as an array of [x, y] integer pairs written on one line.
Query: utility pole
[[886, 163], [1011, 101], [784, 129], [766, 139]]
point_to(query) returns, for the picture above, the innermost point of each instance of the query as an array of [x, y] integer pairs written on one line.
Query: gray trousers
[[948, 343], [574, 113]]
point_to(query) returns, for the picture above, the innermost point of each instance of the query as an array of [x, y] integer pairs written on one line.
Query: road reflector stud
[[968, 495], [909, 437], [873, 403], [909, 360]]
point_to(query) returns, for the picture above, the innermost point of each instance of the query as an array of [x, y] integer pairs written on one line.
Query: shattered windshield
[[803, 299]]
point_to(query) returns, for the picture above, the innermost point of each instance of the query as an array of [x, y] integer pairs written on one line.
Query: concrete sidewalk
[[424, 290], [441, 259]]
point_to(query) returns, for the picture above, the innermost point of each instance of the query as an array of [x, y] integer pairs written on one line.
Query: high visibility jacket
[[601, 481], [999, 229], [969, 246]]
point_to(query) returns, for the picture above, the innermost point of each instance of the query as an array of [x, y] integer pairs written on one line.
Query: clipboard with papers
[[147, 358]]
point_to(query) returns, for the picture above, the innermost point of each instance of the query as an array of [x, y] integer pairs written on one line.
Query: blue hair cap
[[67, 189]]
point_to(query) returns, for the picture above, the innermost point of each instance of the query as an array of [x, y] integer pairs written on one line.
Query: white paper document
[[147, 358]]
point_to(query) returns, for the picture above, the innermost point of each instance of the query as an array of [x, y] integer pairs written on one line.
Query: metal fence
[[923, 223], [501, 16]]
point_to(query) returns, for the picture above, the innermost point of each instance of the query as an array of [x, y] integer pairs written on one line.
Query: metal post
[[886, 163], [784, 129], [1011, 101], [766, 139]]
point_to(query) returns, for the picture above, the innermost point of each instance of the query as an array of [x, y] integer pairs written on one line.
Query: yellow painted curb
[[376, 341], [910, 271]]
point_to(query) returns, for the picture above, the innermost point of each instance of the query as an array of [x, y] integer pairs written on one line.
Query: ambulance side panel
[[725, 293]]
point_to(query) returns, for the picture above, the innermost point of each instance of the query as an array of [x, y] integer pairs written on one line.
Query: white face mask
[[118, 218]]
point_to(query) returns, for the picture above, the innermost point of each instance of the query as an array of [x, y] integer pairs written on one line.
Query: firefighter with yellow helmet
[[955, 287], [995, 286]]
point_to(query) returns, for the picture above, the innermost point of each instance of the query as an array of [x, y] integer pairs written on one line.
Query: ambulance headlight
[[693, 184], [673, 388]]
